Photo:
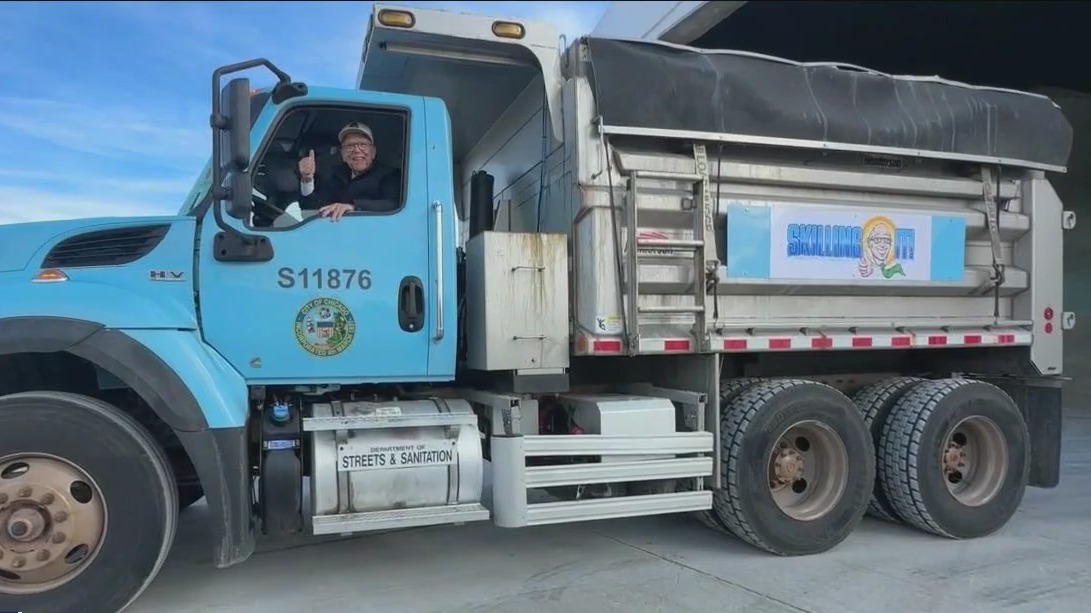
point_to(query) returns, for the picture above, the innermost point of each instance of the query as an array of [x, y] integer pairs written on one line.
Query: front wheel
[[88, 505]]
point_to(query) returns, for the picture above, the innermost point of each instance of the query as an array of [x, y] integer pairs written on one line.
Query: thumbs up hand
[[306, 166]]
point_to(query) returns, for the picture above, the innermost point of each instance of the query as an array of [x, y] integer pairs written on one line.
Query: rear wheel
[[798, 467], [88, 505], [728, 391], [875, 402], [954, 458]]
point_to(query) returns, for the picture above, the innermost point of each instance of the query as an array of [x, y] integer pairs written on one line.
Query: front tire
[[798, 467], [954, 458], [88, 505]]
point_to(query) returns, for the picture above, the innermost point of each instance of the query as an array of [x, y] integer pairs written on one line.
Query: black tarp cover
[[643, 84]]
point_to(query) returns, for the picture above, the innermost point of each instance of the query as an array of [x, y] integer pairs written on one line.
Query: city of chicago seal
[[325, 327]]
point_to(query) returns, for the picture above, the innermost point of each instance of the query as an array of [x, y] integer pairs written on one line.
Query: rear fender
[[189, 386]]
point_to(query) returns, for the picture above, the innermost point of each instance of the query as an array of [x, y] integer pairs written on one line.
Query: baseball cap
[[355, 127]]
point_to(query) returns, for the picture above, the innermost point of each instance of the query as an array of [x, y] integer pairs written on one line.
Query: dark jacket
[[378, 190]]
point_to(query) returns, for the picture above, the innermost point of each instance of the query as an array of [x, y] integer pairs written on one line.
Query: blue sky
[[104, 108]]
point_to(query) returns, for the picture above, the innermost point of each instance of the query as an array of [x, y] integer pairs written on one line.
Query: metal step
[[361, 422], [398, 518], [614, 445], [612, 508], [668, 176], [584, 474], [673, 243], [671, 309], [512, 478]]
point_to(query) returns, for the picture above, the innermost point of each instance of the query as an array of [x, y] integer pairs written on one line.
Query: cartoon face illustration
[[879, 242], [878, 251]]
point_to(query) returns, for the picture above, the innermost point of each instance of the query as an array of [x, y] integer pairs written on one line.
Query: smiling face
[[880, 242], [358, 152]]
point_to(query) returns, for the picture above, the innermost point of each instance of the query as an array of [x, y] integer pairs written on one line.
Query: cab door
[[352, 301]]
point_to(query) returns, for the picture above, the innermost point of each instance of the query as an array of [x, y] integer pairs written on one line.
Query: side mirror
[[236, 146]]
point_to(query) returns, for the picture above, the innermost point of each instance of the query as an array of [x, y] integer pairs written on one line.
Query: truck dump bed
[[850, 206], [841, 208]]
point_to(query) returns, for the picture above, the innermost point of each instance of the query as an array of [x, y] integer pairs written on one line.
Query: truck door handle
[[411, 304]]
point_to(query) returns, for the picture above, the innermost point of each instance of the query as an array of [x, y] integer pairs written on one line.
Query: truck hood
[[22, 243]]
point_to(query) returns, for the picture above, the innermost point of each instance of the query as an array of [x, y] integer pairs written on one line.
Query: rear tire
[[954, 458], [875, 402], [122, 518], [729, 389], [798, 466]]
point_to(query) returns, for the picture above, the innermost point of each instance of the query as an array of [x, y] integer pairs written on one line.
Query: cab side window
[[319, 156]]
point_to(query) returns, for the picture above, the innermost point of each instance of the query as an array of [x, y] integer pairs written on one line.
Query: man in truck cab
[[359, 184]]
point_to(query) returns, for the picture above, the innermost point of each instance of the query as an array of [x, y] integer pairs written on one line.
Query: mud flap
[[1040, 401]]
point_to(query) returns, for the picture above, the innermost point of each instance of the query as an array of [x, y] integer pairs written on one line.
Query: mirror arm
[[219, 124]]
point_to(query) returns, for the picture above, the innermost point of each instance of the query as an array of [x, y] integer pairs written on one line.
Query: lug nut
[[3, 498], [60, 516], [58, 537], [18, 563], [25, 492], [43, 555], [47, 499]]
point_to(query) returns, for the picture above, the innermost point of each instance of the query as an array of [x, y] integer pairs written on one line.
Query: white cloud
[[113, 141], [46, 195], [130, 186], [113, 132], [21, 204]]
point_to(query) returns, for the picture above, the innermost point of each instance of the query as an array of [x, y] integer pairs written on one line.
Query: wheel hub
[[52, 521], [808, 470], [26, 524], [788, 467], [974, 461]]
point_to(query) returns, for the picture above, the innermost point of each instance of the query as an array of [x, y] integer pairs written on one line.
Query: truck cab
[[153, 334], [302, 299]]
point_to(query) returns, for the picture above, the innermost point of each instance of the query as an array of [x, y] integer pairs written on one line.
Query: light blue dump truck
[[619, 278]]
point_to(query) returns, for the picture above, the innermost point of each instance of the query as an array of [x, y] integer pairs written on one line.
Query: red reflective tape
[[901, 341], [780, 343], [678, 344], [606, 346], [972, 339], [862, 341], [1005, 339], [735, 344], [821, 343], [937, 340]]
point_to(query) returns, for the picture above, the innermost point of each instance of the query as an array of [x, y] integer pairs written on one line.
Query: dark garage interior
[[1025, 45]]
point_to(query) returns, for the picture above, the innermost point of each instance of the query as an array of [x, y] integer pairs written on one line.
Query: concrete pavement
[[1040, 563]]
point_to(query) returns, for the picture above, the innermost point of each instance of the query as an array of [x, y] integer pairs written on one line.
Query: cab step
[[399, 518]]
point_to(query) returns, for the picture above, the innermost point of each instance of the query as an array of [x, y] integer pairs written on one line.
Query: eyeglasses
[[357, 146]]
